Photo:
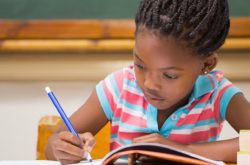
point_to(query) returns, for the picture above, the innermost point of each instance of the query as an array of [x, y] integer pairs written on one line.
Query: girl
[[171, 95]]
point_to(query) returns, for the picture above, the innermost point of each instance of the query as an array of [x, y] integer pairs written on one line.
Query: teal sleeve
[[226, 98], [104, 100]]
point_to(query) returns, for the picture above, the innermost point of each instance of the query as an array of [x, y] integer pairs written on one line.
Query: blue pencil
[[64, 116]]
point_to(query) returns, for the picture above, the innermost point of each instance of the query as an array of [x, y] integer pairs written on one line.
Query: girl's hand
[[68, 148], [155, 138], [151, 138], [88, 142]]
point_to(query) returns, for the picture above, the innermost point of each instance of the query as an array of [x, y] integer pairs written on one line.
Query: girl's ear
[[210, 63]]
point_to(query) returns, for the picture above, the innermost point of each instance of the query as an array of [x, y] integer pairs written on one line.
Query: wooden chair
[[49, 124]]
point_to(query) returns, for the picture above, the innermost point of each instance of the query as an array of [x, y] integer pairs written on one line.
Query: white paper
[[45, 162]]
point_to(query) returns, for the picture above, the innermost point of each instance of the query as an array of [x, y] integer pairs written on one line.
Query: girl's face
[[165, 71]]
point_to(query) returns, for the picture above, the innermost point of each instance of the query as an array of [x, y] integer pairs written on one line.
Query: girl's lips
[[154, 98], [155, 101]]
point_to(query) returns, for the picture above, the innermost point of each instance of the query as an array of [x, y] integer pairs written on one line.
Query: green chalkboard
[[67, 9], [92, 9], [239, 8]]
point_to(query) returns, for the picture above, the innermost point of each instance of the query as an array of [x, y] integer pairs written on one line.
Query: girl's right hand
[[68, 148]]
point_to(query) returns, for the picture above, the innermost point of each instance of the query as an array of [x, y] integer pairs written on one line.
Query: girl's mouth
[[153, 98]]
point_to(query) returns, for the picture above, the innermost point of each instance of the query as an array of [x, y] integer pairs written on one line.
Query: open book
[[158, 154]]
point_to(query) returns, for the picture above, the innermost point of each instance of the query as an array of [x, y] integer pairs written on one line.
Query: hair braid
[[202, 25]]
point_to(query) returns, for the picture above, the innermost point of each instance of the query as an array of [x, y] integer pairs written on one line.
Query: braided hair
[[203, 25]]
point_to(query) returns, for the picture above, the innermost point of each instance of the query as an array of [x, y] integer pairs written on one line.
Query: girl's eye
[[139, 66], [168, 76]]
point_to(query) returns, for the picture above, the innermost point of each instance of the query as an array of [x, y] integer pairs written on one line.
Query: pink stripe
[[217, 102], [118, 76], [114, 145], [133, 120], [114, 129], [192, 105], [133, 98], [130, 135], [218, 76], [109, 96], [118, 112], [211, 80], [205, 98], [196, 136], [206, 114]]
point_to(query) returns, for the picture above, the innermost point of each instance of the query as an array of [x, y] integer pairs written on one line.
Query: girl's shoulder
[[213, 82], [218, 80]]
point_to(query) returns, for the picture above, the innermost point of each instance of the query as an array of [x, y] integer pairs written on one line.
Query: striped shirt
[[131, 115]]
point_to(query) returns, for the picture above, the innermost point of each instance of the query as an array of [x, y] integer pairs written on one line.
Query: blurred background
[[70, 46]]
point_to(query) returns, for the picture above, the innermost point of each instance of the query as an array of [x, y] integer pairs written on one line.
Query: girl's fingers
[[71, 138], [88, 140], [155, 137], [65, 158], [70, 149]]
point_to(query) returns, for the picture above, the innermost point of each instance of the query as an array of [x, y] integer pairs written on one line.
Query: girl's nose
[[152, 82]]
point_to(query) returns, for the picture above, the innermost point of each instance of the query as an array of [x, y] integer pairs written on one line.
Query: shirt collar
[[203, 85]]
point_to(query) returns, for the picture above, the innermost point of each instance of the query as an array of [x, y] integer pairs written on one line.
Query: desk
[[48, 162], [44, 162]]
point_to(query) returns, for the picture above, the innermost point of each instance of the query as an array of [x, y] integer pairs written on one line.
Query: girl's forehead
[[152, 48], [151, 40]]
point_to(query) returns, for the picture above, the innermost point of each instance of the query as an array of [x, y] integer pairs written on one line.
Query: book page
[[158, 148], [45, 162]]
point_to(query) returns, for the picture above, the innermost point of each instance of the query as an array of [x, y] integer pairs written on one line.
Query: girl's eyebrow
[[172, 68], [137, 57], [165, 68]]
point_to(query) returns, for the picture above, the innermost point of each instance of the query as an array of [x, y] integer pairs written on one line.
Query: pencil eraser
[[47, 89]]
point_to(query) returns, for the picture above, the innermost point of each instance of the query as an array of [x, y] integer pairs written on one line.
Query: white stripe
[[133, 90], [198, 111], [115, 123], [124, 130], [219, 89], [196, 129], [133, 112], [111, 90]]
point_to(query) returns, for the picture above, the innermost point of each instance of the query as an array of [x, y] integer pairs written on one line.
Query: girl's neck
[[163, 114]]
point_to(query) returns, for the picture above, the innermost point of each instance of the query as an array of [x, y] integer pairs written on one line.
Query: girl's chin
[[157, 103]]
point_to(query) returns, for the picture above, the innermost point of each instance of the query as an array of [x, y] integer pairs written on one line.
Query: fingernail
[[84, 155], [89, 149]]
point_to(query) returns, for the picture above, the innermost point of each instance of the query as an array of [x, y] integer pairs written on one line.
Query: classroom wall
[[22, 104]]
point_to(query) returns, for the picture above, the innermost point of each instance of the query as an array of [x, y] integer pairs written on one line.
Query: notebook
[[157, 154], [160, 154]]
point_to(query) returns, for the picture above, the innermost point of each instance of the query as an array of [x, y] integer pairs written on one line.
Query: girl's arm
[[224, 150], [238, 115], [87, 121]]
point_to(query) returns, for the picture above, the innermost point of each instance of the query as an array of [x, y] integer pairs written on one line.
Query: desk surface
[[44, 162], [47, 162]]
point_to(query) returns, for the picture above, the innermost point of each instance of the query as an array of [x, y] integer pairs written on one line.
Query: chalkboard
[[91, 9], [67, 9], [239, 8]]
